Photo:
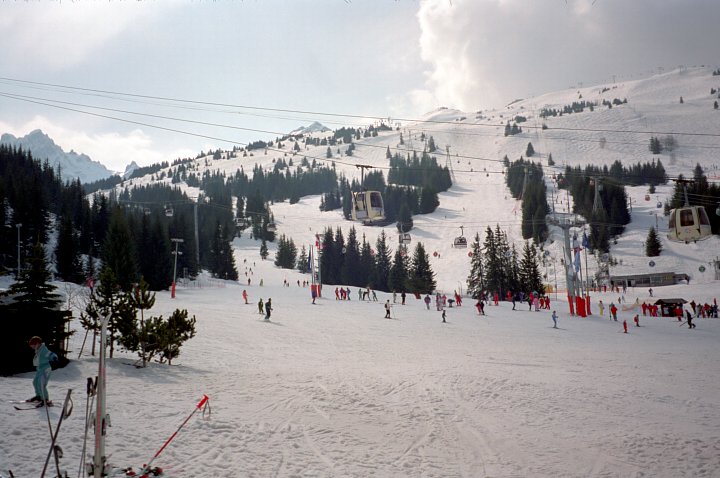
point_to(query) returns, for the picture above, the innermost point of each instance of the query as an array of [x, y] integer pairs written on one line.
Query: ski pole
[[53, 447], [202, 404]]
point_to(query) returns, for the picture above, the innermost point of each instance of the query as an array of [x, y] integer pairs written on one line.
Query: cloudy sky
[[157, 80]]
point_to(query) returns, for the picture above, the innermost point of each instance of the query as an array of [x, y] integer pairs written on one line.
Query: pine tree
[[349, 272], [264, 250], [302, 262], [286, 254], [34, 312], [529, 270], [421, 276], [327, 269], [367, 263], [398, 279], [68, 262], [476, 279], [222, 260], [428, 200], [405, 221], [530, 151], [382, 263], [653, 247], [119, 250], [137, 338], [33, 290]]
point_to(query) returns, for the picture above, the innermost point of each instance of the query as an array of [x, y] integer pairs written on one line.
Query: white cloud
[[486, 53], [62, 35]]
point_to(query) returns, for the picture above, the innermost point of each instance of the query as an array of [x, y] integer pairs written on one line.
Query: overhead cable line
[[343, 115]]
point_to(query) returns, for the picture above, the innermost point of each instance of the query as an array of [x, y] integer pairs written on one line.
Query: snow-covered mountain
[[479, 197], [315, 127], [130, 169], [71, 164]]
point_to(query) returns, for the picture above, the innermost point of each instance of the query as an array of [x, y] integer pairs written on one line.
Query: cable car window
[[686, 218], [375, 200], [704, 220], [671, 223]]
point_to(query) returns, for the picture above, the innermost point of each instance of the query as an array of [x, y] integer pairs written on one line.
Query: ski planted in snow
[[30, 405]]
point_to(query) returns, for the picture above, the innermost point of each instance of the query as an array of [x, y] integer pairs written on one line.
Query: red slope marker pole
[[201, 404]]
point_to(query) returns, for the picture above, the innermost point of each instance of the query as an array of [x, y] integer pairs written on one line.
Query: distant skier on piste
[[268, 309], [387, 310]]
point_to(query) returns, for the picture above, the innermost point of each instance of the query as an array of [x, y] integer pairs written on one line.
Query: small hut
[[668, 306]]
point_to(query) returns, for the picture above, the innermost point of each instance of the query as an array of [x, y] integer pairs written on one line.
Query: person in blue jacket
[[554, 317], [41, 361]]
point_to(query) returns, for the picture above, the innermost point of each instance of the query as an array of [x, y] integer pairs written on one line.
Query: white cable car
[[689, 223], [368, 207], [461, 240], [169, 210]]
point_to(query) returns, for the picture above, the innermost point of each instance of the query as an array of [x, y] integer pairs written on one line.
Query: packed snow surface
[[334, 389]]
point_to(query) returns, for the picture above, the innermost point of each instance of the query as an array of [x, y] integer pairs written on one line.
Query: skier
[[260, 307], [387, 310], [42, 360], [443, 317], [554, 317], [313, 293], [268, 309], [625, 326], [613, 311], [402, 297], [601, 306], [480, 307], [244, 294], [689, 320], [637, 320], [427, 301]]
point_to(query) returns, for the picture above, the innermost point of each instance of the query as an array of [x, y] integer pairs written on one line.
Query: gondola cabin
[[460, 242], [169, 211], [404, 238], [271, 227], [368, 207], [688, 223]]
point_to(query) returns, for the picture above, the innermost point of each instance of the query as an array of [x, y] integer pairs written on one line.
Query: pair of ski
[[28, 405]]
